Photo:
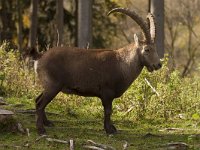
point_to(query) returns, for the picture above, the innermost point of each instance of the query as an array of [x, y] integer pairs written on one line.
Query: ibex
[[101, 73]]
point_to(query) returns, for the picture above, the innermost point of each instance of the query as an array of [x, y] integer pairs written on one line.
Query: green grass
[[139, 114], [82, 126]]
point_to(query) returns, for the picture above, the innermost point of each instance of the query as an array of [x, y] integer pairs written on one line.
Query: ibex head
[[148, 54]]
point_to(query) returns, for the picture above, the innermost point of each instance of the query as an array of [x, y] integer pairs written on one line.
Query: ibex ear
[[136, 40]]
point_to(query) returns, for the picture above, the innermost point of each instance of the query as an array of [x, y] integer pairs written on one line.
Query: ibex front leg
[[108, 126]]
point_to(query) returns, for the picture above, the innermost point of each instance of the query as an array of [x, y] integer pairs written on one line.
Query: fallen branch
[[92, 147], [151, 135], [57, 141], [6, 112], [177, 145], [178, 130], [28, 111], [2, 101], [14, 146], [100, 145], [171, 129], [40, 137], [32, 111]]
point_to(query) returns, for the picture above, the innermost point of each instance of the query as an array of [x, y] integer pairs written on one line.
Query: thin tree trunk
[[60, 23], [6, 15], [157, 9], [76, 24], [190, 59], [34, 22], [19, 27], [84, 23]]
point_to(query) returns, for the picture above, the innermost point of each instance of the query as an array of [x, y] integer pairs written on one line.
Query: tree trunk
[[76, 24], [84, 23], [6, 21], [19, 26], [34, 22], [60, 23], [157, 9]]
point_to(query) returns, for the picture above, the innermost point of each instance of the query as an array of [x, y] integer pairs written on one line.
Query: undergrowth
[[159, 95]]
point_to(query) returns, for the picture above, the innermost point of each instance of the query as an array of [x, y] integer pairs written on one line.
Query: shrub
[[162, 94], [174, 95], [15, 77]]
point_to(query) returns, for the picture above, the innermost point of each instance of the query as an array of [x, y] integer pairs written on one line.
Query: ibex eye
[[146, 50]]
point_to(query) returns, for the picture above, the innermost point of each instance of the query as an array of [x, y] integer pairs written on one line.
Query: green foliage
[[151, 99], [196, 116], [161, 94], [104, 28], [15, 77], [174, 96]]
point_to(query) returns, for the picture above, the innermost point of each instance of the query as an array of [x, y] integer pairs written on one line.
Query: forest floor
[[86, 132]]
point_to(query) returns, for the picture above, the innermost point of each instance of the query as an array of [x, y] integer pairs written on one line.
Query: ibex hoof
[[111, 129], [41, 131], [48, 123]]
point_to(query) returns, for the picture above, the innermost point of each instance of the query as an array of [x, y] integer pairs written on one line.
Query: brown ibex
[[102, 73]]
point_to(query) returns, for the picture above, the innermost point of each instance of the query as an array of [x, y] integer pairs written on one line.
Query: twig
[[71, 144], [129, 110], [2, 101], [33, 111], [100, 145], [28, 111], [28, 132], [58, 40], [124, 34], [125, 145], [14, 146], [171, 129], [153, 89], [178, 130], [92, 147], [88, 46], [47, 46], [20, 128], [151, 135], [40, 137], [57, 140], [177, 145]]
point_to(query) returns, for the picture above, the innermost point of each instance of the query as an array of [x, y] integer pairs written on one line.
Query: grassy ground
[[139, 134]]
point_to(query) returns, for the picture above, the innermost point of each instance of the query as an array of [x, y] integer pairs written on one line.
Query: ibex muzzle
[[151, 58], [102, 73]]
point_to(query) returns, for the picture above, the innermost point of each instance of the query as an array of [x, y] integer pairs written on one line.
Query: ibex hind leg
[[46, 122], [41, 102]]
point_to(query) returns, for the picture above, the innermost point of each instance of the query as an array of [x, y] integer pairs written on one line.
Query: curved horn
[[137, 19], [152, 26]]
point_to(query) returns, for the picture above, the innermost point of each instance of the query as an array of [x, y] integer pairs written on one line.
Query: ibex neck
[[130, 61]]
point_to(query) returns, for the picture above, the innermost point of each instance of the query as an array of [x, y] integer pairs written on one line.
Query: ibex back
[[101, 73]]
